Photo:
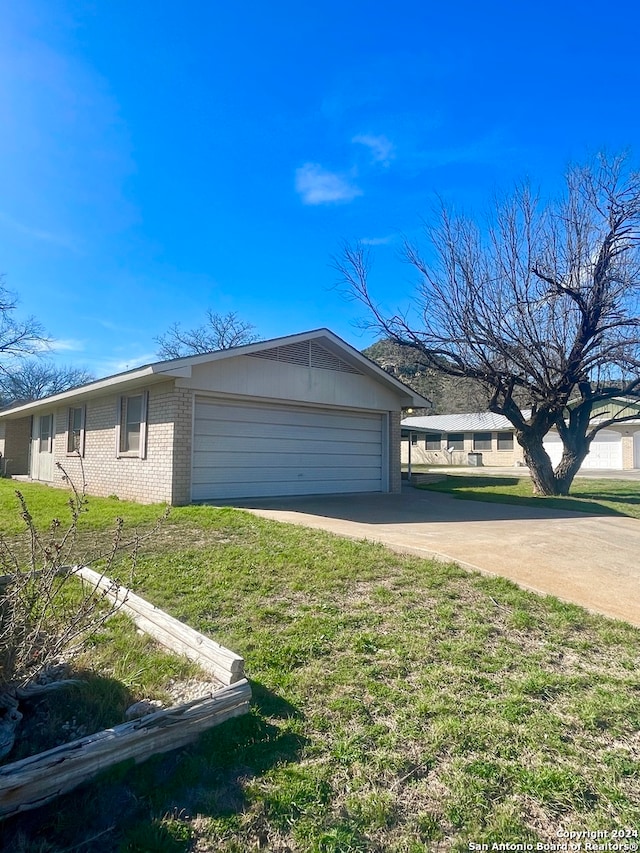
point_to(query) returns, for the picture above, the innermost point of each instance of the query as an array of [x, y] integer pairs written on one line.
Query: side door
[[42, 446]]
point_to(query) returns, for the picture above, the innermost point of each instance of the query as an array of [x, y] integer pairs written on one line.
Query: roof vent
[[307, 354]]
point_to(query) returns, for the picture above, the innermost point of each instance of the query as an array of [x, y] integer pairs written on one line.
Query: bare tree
[[221, 331], [542, 305], [18, 337], [31, 379]]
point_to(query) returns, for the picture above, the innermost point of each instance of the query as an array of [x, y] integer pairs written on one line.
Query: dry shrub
[[46, 612]]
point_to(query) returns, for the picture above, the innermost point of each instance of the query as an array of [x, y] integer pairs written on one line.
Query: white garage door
[[253, 450], [605, 452]]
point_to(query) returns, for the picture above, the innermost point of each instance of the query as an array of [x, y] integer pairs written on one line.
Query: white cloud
[[382, 149], [490, 148], [38, 233], [56, 345], [377, 241], [66, 345], [111, 366], [318, 186]]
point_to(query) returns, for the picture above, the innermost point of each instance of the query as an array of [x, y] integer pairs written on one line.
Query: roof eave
[[132, 379], [182, 368]]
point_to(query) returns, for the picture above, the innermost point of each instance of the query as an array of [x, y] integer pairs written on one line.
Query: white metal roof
[[467, 422], [474, 422]]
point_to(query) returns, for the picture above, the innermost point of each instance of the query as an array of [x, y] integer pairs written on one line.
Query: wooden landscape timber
[[38, 779], [174, 635]]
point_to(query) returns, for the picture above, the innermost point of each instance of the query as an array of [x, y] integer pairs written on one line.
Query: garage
[[305, 414], [605, 452], [250, 450]]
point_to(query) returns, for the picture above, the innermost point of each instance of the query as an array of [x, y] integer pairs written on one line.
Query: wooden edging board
[[174, 635], [38, 779]]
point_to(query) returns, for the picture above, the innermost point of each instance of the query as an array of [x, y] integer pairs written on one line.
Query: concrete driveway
[[587, 559]]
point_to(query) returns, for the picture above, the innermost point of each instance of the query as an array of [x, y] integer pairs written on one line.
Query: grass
[[603, 497], [399, 705]]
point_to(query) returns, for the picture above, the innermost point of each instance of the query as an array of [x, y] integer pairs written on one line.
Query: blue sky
[[158, 159]]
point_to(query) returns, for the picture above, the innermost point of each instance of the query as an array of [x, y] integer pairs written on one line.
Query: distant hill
[[449, 395]]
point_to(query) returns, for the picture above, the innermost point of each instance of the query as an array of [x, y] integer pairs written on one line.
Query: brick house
[[303, 414], [449, 439]]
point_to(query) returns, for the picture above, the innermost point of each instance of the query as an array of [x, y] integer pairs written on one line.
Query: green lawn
[[617, 497], [399, 704]]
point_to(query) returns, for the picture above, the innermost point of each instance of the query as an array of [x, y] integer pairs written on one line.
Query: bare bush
[[46, 612]]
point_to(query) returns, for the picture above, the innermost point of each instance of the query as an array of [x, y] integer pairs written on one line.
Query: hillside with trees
[[449, 395]]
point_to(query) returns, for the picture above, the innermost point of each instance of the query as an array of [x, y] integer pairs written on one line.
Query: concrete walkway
[[587, 559]]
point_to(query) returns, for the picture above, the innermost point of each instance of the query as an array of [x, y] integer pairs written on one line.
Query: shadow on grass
[[626, 497], [72, 711], [478, 488], [127, 803]]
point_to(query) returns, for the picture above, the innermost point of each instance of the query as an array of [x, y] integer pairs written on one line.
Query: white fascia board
[[132, 379]]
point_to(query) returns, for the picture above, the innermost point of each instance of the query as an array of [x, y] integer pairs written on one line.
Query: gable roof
[[289, 348], [467, 422], [489, 422]]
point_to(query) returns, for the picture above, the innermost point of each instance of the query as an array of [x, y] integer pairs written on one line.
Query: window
[[75, 431], [414, 438], [433, 442], [132, 418], [455, 441], [482, 441], [132, 426], [46, 433], [505, 441]]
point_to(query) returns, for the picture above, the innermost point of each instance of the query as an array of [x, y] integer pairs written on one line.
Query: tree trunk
[[537, 459], [545, 480], [572, 459]]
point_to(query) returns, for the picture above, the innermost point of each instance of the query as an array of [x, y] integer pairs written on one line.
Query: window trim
[[459, 441], [49, 438], [479, 443], [76, 451], [433, 437], [121, 420], [503, 435]]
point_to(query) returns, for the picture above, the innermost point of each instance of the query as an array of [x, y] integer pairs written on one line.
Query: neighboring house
[[304, 414], [449, 439]]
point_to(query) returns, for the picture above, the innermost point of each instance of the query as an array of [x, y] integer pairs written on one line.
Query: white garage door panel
[[605, 452], [265, 444], [262, 461], [264, 451], [279, 475], [553, 446], [280, 489], [235, 416]]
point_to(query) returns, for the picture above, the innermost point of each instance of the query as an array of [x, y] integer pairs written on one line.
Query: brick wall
[[627, 452], [493, 457], [15, 438], [182, 440], [148, 480], [395, 475]]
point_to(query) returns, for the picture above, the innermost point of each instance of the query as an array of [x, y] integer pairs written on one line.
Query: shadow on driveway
[[413, 506]]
